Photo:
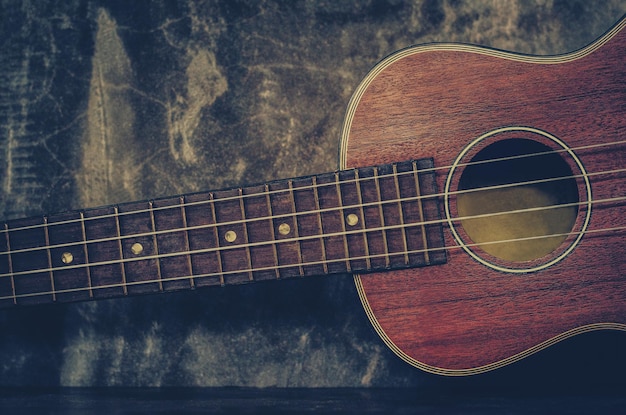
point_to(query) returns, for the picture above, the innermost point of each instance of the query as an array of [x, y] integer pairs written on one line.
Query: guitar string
[[299, 239], [302, 213], [310, 263], [347, 181]]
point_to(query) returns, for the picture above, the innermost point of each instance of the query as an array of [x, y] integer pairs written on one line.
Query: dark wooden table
[[298, 401]]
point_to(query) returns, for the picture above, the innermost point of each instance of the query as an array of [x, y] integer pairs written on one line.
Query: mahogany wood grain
[[464, 317]]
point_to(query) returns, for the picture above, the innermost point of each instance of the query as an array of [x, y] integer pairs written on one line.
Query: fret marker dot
[[352, 219], [230, 236], [136, 248], [284, 229], [67, 257]]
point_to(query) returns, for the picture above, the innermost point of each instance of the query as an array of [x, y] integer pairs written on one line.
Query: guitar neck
[[352, 221]]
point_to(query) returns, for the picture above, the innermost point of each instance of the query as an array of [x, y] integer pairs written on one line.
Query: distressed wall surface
[[103, 102]]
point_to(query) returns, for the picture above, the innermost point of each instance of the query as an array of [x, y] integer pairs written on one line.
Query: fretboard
[[352, 221]]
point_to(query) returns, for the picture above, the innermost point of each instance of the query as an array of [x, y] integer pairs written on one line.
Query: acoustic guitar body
[[513, 283]]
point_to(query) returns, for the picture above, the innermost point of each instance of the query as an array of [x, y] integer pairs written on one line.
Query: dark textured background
[[110, 101]]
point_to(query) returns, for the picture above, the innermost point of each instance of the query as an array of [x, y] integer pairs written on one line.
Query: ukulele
[[480, 205]]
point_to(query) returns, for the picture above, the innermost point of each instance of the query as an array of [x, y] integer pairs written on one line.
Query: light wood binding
[[464, 317]]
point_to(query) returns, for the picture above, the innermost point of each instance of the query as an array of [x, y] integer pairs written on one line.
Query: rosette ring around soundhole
[[517, 199]]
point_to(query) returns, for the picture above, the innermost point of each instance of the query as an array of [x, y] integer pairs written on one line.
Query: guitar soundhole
[[517, 206]]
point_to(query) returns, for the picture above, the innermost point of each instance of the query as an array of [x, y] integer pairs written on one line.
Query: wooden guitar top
[[480, 310]]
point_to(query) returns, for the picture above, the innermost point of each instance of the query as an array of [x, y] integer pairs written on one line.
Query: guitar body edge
[[480, 369]]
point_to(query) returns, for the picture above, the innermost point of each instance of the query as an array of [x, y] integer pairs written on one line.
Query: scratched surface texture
[[104, 102]]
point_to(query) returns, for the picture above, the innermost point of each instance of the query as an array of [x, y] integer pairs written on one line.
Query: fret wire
[[416, 251], [421, 211], [397, 184], [121, 249], [435, 195], [245, 233], [343, 222], [365, 239], [382, 216], [86, 253], [316, 197], [156, 245], [217, 240], [296, 232], [183, 212], [10, 262], [272, 232], [381, 228], [49, 255]]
